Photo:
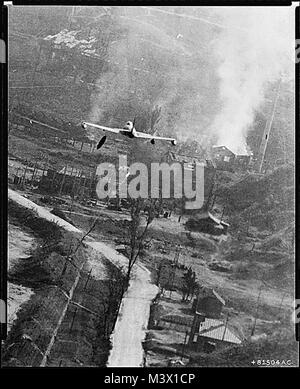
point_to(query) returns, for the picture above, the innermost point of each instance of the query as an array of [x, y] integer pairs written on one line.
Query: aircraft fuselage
[[131, 134]]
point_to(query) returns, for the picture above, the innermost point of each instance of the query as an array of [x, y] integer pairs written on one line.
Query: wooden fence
[[71, 180]]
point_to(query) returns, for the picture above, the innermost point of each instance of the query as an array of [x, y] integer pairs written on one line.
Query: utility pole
[[24, 175], [265, 138], [183, 348], [223, 211], [63, 180], [73, 319], [176, 259], [71, 16], [33, 173], [225, 328], [281, 302], [257, 305], [17, 175], [211, 193], [88, 278], [176, 256]]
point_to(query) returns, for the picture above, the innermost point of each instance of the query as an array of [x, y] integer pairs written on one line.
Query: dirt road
[[132, 321]]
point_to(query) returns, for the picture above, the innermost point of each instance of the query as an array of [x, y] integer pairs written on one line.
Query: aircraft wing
[[109, 129], [149, 136]]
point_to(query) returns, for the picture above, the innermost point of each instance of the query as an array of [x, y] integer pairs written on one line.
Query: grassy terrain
[[83, 330], [25, 148]]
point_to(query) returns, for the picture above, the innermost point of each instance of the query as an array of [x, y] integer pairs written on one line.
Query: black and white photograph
[[151, 187]]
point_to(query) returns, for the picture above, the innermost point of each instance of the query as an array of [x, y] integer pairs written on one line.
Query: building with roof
[[207, 305], [213, 334], [225, 159], [190, 161], [206, 222]]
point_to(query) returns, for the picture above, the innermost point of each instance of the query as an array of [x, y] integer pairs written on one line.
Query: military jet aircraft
[[129, 131]]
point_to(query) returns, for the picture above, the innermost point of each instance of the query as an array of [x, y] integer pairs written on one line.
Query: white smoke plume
[[258, 53], [209, 71]]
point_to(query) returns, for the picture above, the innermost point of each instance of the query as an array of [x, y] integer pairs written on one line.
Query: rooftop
[[216, 329], [222, 147]]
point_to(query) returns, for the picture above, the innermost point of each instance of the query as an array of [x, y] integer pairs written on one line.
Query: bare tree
[[116, 286], [141, 210]]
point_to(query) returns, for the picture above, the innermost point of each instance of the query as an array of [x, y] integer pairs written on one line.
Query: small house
[[223, 157], [207, 305], [213, 334], [206, 222]]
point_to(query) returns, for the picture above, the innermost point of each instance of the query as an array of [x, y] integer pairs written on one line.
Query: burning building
[[225, 159]]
